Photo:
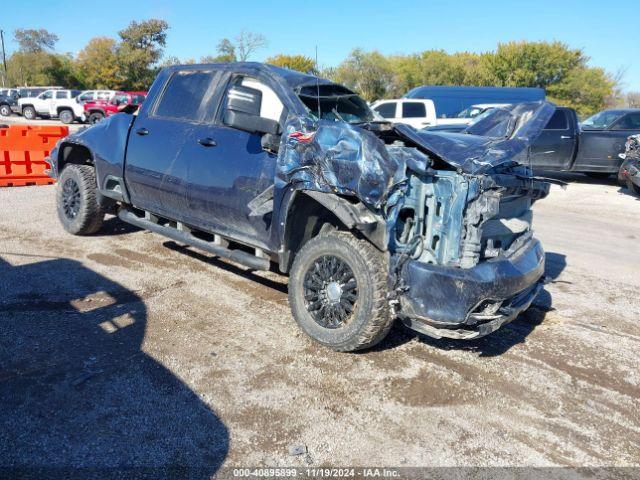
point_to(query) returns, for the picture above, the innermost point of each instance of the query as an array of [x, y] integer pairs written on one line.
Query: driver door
[[229, 166]]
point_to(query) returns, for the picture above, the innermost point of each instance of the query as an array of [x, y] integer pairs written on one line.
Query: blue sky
[[601, 29]]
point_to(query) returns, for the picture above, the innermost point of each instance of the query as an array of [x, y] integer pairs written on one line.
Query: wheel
[[29, 113], [95, 117], [633, 187], [66, 116], [76, 198], [5, 110], [338, 291], [598, 175]]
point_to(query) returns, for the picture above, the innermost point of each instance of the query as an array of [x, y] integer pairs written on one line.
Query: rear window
[[413, 110], [558, 121], [186, 95], [387, 110]]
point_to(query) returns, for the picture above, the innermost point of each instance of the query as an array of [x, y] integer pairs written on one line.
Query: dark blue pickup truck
[[269, 167]]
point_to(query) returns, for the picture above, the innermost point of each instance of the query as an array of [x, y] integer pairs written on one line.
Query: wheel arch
[[310, 212]]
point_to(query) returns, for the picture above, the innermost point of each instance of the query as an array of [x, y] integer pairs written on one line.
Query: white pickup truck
[[53, 103]]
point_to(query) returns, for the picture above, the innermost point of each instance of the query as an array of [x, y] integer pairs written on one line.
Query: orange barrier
[[23, 149]]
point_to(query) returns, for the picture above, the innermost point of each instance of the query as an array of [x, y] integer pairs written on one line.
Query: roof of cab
[[292, 77]]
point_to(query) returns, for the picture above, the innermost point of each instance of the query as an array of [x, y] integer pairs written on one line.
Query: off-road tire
[[29, 113], [96, 117], [89, 215], [66, 116], [371, 318], [5, 110]]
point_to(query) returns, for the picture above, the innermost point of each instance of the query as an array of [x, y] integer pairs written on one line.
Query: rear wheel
[[77, 200], [29, 113], [66, 116], [95, 117], [5, 110], [338, 291]]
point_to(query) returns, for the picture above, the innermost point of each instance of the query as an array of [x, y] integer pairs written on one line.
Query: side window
[[60, 94], [47, 95], [558, 121], [386, 110], [271, 106], [103, 95], [631, 121], [187, 95], [413, 110]]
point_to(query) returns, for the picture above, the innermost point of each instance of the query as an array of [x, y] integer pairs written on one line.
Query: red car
[[122, 101]]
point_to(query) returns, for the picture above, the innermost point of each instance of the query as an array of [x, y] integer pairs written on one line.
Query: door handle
[[142, 131], [564, 137], [207, 142]]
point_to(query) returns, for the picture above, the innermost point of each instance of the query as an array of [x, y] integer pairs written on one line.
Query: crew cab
[[371, 221], [592, 147], [97, 110], [60, 104]]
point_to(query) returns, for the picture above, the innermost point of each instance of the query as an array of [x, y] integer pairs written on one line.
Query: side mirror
[[243, 111]]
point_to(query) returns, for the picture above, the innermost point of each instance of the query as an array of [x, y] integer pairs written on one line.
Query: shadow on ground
[[79, 397], [501, 340]]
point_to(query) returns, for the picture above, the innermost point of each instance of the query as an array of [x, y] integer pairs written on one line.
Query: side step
[[238, 256]]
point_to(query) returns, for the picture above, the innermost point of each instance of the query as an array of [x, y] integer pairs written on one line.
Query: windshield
[[470, 112], [601, 120], [335, 103]]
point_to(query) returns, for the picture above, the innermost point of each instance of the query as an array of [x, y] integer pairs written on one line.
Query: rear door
[[599, 149], [555, 147], [159, 148]]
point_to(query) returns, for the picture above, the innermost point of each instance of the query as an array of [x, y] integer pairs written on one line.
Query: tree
[[368, 73], [97, 64], [140, 50], [300, 63], [584, 89], [33, 41], [247, 43]]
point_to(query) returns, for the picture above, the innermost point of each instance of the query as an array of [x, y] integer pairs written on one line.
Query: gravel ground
[[127, 349]]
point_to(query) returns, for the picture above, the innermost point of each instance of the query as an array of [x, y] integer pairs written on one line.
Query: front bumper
[[447, 301]]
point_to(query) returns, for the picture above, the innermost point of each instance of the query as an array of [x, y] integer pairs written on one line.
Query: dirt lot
[[126, 349]]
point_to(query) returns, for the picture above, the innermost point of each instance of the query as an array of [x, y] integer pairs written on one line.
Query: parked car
[[468, 114], [60, 104], [592, 148], [629, 173], [266, 166], [98, 110], [450, 101], [95, 95], [417, 113], [8, 98]]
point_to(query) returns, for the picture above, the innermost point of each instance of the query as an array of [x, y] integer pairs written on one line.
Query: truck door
[[43, 102], [229, 167], [554, 148], [158, 151]]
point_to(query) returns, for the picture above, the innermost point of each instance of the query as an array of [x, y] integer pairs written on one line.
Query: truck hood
[[500, 136]]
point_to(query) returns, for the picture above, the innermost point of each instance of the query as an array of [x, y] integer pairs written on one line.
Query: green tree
[[368, 73], [300, 63], [98, 65], [33, 41], [585, 89], [140, 50]]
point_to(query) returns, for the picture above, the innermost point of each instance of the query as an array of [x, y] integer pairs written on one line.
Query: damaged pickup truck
[[269, 167]]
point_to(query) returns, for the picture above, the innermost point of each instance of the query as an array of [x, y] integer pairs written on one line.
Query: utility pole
[[4, 60]]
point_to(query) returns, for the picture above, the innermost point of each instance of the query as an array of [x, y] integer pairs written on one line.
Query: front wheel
[[338, 291], [77, 200], [5, 110]]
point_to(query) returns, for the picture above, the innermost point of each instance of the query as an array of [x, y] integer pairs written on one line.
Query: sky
[[337, 27]]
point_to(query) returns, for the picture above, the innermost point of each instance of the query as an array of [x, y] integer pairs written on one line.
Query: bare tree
[[248, 43]]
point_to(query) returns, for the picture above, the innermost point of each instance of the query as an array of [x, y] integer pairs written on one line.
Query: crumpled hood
[[495, 139]]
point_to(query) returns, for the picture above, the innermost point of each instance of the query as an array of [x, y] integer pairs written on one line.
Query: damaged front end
[[455, 210]]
